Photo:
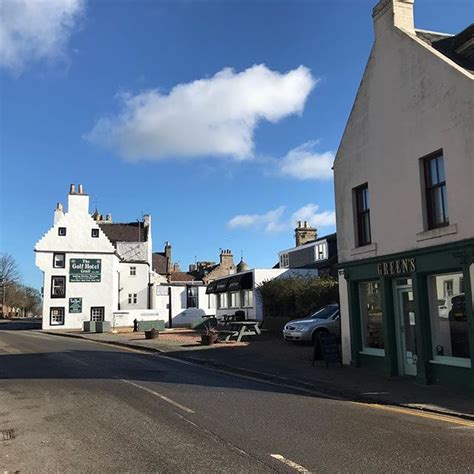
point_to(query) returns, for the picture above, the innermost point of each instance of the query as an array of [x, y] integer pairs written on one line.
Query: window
[[234, 299], [222, 300], [58, 287], [436, 194], [191, 297], [449, 327], [97, 313], [284, 260], [133, 271], [320, 252], [447, 287], [363, 215], [62, 231], [59, 260], [56, 316], [371, 318], [132, 298], [247, 298], [95, 233]]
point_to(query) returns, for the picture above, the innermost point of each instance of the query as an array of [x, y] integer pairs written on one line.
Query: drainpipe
[[170, 310]]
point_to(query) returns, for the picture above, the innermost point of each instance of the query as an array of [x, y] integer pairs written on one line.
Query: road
[[79, 406]]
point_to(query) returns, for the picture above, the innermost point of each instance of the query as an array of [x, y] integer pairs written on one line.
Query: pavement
[[271, 358], [73, 405]]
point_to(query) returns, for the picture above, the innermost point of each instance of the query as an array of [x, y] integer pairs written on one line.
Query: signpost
[[75, 305], [83, 270]]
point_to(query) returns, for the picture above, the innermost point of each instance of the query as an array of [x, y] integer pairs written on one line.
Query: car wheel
[[317, 333]]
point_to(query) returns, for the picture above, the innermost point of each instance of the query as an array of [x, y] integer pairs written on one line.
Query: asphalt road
[[78, 406]]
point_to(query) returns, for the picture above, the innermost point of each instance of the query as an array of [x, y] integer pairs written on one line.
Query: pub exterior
[[405, 205]]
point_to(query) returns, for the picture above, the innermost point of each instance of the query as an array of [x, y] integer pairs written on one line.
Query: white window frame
[[234, 299], [61, 278], [320, 251], [284, 260], [247, 298], [56, 319], [97, 313], [55, 263]]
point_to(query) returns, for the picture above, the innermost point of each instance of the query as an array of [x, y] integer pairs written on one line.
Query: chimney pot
[[72, 189], [80, 189]]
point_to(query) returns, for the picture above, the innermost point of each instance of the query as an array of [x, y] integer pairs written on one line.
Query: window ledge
[[453, 362], [373, 352], [365, 249], [435, 233]]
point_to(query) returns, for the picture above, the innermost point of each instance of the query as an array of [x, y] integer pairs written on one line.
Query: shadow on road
[[20, 324]]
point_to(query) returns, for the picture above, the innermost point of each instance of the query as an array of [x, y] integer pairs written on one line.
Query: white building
[[405, 204], [238, 292], [94, 269]]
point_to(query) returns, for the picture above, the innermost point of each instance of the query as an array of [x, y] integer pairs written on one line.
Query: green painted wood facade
[[453, 257]]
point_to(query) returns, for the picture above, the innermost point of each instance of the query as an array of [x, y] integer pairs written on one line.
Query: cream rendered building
[[404, 176]]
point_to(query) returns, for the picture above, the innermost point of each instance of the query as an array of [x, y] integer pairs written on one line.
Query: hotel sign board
[[75, 305], [83, 270], [397, 267]]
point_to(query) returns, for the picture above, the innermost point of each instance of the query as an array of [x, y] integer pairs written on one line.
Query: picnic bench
[[239, 329]]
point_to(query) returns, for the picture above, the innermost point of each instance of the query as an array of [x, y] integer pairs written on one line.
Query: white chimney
[[58, 213], [77, 203], [393, 13]]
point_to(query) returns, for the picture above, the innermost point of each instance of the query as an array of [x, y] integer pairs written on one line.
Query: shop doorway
[[405, 324]]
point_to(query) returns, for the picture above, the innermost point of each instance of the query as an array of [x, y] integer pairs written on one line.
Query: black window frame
[[192, 300], [51, 315], [362, 210], [431, 190], [95, 233], [134, 271], [54, 260], [103, 313], [62, 229], [61, 277], [132, 298]]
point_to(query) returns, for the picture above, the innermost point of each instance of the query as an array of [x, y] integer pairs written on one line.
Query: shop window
[[449, 326], [59, 260], [97, 313], [56, 316], [132, 298], [362, 205], [247, 298], [371, 318], [234, 299], [191, 297], [436, 193], [58, 287]]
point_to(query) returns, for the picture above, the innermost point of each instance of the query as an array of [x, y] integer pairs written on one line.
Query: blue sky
[[227, 162]]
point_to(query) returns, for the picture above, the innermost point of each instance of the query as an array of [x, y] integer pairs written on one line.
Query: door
[[406, 334]]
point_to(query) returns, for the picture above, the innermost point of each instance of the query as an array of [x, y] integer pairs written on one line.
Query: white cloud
[[304, 163], [216, 116], [316, 219], [35, 30], [269, 221], [275, 220]]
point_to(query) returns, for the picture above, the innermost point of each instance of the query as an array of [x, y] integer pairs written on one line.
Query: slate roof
[[182, 276], [131, 232], [450, 45], [159, 262]]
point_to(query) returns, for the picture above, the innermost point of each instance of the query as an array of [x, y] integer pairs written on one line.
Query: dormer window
[[62, 231], [95, 233], [284, 260], [320, 252]]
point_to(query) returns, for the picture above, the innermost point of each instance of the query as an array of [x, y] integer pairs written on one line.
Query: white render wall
[[137, 284], [413, 101]]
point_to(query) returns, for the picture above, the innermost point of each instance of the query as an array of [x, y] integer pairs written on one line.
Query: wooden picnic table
[[240, 329]]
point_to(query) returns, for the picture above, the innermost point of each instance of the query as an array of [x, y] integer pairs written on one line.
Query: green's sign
[[75, 305], [84, 270]]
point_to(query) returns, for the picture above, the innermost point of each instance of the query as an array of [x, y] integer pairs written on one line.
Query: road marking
[[289, 463], [421, 414], [159, 395]]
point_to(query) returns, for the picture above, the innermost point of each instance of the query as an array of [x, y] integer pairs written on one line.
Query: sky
[[221, 119]]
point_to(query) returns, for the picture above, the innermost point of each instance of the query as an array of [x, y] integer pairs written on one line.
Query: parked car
[[307, 329]]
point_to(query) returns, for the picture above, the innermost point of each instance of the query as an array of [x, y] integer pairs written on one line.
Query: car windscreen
[[324, 313]]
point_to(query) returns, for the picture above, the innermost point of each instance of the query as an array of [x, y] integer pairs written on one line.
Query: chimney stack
[[393, 13], [304, 233], [226, 258], [58, 213]]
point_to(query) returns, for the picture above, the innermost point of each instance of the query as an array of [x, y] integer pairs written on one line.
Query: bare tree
[[9, 275]]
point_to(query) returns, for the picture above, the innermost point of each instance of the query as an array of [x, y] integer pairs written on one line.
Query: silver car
[[324, 320]]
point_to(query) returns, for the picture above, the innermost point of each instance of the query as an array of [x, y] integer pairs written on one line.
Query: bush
[[293, 298]]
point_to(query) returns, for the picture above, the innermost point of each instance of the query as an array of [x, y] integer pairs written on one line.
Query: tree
[[9, 275]]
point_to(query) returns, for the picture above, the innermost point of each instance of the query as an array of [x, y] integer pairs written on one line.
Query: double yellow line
[[412, 412]]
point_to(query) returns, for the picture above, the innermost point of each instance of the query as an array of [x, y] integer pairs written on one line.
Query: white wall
[[137, 284], [345, 323], [412, 101], [126, 318]]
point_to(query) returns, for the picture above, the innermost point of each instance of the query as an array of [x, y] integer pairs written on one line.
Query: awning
[[241, 281]]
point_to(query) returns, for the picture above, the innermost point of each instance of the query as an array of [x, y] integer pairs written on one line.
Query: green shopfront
[[411, 314]]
